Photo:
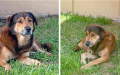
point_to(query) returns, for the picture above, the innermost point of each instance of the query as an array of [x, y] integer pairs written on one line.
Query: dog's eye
[[29, 20], [20, 21], [93, 35]]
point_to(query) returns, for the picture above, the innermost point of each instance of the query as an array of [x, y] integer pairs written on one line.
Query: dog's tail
[[47, 46]]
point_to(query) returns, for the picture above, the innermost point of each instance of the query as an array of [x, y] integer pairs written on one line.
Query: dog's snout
[[28, 28], [87, 43]]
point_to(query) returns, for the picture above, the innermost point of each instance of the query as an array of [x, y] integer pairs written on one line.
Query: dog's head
[[94, 35], [22, 23]]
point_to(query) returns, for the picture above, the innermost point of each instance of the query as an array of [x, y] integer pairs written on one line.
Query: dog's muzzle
[[27, 31], [88, 44]]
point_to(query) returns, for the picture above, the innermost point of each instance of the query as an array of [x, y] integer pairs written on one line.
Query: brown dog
[[16, 40], [97, 42]]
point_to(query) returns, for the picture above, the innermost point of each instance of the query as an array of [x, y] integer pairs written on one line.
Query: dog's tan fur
[[101, 48], [15, 43]]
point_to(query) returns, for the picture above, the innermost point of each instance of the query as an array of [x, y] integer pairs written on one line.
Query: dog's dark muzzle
[[87, 43], [27, 31]]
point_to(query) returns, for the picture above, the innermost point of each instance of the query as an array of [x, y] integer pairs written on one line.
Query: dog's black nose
[[28, 28], [87, 43]]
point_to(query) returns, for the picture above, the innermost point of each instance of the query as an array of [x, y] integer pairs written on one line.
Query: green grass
[[72, 31], [46, 31]]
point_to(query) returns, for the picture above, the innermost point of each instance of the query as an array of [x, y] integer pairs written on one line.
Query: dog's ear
[[9, 20], [86, 28], [34, 18], [101, 29]]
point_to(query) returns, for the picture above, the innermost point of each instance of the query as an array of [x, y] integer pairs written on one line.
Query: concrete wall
[[108, 8], [66, 6], [37, 7]]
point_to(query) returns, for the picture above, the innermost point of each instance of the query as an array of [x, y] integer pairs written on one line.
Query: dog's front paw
[[36, 62], [49, 54], [39, 63], [84, 67], [84, 62], [8, 67]]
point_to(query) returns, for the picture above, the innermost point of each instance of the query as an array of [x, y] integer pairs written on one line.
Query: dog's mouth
[[26, 33]]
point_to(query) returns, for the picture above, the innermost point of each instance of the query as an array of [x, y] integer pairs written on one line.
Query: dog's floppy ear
[[86, 28], [9, 20], [34, 18], [101, 29]]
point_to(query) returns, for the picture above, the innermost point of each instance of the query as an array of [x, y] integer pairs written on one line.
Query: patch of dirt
[[108, 65], [115, 53], [2, 22], [116, 23]]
